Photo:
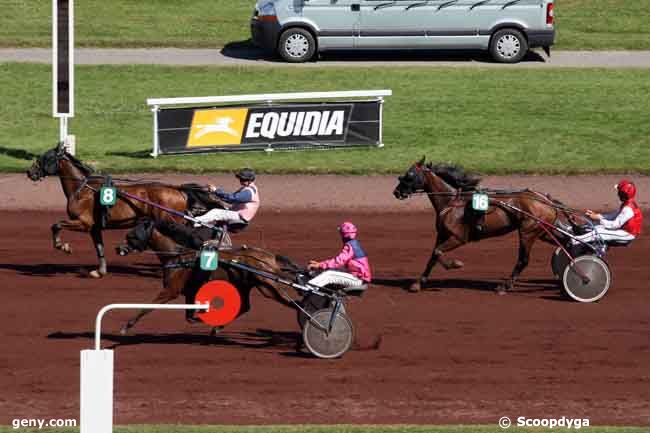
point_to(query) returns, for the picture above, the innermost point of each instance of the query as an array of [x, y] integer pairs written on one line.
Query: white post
[[96, 397], [96, 391], [381, 122], [156, 145], [70, 143], [63, 128]]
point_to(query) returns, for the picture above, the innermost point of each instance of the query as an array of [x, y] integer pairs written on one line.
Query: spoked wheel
[[311, 303], [559, 261], [328, 345], [587, 279]]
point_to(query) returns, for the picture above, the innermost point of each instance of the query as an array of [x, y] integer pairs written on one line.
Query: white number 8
[[108, 195]]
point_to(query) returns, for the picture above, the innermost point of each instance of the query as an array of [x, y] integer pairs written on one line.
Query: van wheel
[[296, 45], [508, 46]]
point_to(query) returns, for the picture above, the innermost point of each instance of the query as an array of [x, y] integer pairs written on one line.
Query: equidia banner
[[281, 126]]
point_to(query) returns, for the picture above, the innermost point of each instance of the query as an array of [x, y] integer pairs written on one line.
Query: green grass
[[523, 121], [582, 24], [603, 24], [336, 429]]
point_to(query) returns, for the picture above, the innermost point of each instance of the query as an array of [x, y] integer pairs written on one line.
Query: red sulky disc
[[224, 301]]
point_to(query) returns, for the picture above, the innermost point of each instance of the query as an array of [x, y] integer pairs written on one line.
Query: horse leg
[[444, 243], [73, 225], [56, 239], [526, 241], [96, 233], [163, 297]]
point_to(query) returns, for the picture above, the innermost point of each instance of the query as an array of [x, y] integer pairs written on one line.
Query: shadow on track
[[51, 269], [259, 339], [523, 286]]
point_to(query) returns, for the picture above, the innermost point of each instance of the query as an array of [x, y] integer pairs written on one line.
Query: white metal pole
[[381, 122], [96, 373], [55, 45], [156, 142], [96, 391], [63, 129], [98, 320]]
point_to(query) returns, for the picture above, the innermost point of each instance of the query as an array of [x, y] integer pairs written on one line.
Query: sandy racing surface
[[455, 353]]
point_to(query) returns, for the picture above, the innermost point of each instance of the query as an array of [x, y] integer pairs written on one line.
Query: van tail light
[[550, 15], [268, 18]]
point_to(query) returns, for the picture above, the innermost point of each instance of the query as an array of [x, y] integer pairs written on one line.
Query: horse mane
[[287, 265], [456, 176], [87, 169]]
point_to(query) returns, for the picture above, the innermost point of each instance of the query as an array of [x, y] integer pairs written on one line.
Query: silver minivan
[[298, 29]]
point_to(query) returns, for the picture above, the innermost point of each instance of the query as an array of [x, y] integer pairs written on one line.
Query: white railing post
[[96, 396], [156, 146]]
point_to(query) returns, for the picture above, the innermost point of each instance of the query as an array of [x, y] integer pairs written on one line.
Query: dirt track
[[456, 353]]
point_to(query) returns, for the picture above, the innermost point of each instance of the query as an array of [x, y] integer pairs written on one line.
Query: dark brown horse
[[86, 214], [182, 275], [450, 188]]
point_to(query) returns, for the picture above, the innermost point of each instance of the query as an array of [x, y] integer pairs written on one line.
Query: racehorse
[[85, 212], [182, 275], [450, 188]]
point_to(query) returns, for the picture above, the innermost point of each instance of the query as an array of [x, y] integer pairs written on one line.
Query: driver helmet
[[626, 190], [245, 174], [348, 230]]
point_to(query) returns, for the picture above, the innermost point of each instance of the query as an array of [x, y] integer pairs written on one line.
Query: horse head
[[411, 181], [47, 164]]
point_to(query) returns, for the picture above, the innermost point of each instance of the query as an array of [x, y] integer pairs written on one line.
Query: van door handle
[[355, 7], [384, 5]]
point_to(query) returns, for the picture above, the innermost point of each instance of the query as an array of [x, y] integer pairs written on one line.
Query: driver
[[623, 225], [350, 268], [245, 201]]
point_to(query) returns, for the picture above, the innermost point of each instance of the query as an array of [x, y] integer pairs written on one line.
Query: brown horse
[[450, 188], [182, 275], [86, 214]]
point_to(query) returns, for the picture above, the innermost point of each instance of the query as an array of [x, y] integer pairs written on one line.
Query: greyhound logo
[[221, 124], [217, 127]]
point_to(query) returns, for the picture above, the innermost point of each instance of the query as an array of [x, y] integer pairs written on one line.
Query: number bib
[[107, 195], [480, 202], [209, 259]]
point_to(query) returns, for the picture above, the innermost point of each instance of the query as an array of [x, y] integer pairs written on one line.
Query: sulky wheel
[[598, 275], [328, 345], [559, 261], [311, 303]]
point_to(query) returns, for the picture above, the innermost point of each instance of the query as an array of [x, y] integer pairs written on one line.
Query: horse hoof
[[456, 264], [215, 330], [66, 248], [501, 290], [95, 274], [415, 287], [124, 330]]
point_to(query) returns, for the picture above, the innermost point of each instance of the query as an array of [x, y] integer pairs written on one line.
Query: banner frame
[[158, 104]]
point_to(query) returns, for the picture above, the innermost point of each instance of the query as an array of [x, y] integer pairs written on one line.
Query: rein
[[537, 196]]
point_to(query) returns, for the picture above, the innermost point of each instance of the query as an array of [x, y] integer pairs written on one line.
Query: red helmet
[[626, 189], [348, 230]]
